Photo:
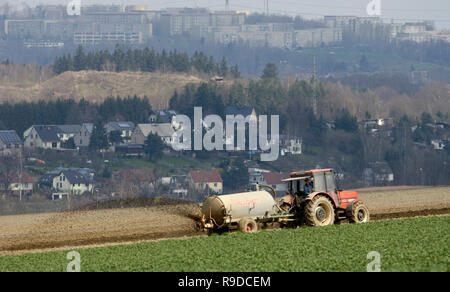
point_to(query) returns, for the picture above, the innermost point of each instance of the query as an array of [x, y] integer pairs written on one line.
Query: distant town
[[126, 139], [49, 26]]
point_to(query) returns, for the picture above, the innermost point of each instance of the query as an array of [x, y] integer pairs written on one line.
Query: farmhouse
[[83, 137], [438, 144], [15, 184], [165, 131], [125, 128], [40, 136], [68, 131], [290, 145], [378, 174], [10, 143], [163, 117], [274, 179], [75, 181], [137, 179], [206, 180]]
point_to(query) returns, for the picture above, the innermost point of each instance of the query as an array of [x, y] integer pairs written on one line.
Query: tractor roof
[[309, 172]]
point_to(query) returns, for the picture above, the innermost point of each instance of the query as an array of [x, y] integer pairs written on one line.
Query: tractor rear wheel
[[360, 213], [319, 212], [248, 225]]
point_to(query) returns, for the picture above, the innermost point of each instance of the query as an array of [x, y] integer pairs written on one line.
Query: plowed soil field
[[42, 232]]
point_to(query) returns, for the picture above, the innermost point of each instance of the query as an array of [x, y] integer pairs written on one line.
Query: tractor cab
[[316, 191], [300, 186], [305, 183]]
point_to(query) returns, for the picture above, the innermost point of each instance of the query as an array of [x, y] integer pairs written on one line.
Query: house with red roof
[[274, 179], [12, 184], [206, 180], [141, 179]]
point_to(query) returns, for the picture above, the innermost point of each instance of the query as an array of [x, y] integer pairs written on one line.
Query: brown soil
[[95, 86], [41, 232]]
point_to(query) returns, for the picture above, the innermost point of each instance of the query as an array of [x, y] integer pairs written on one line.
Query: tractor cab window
[[319, 182], [295, 186], [331, 182]]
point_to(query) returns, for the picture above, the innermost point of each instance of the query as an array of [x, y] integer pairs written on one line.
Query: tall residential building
[[100, 27]]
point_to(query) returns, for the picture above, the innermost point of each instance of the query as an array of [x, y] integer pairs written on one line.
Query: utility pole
[[314, 101], [20, 175]]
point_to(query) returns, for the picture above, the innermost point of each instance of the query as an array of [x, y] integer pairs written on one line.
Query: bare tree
[[8, 168]]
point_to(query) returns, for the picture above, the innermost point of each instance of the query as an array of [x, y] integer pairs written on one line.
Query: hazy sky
[[400, 10]]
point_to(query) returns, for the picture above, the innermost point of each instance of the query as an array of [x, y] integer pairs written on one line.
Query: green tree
[[270, 71], [235, 71], [364, 64], [345, 121], [115, 137], [119, 59], [426, 118], [99, 139], [106, 173], [223, 67], [79, 60], [154, 147], [447, 147], [235, 176], [207, 97], [69, 144]]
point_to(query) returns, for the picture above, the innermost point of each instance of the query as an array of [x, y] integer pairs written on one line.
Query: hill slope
[[95, 86]]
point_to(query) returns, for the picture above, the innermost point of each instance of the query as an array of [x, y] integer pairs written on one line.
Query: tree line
[[331, 127], [145, 60], [21, 116], [268, 95]]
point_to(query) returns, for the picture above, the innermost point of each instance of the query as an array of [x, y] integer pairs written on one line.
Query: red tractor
[[313, 198], [316, 199]]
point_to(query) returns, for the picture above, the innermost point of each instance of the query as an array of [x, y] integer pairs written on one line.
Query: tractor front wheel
[[319, 211], [360, 213], [248, 225]]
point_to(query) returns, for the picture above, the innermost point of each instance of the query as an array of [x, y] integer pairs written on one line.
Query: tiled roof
[[165, 116], [205, 176], [9, 137], [14, 178], [121, 126], [274, 178], [78, 175], [48, 133], [163, 130], [70, 129]]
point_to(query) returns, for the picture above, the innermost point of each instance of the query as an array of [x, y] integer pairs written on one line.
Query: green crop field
[[419, 244]]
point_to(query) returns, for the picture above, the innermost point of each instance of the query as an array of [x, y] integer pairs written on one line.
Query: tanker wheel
[[198, 226], [319, 212], [248, 225], [360, 213]]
